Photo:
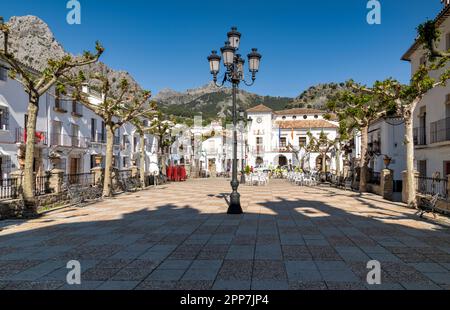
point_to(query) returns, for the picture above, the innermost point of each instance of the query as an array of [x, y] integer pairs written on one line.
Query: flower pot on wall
[[98, 160]]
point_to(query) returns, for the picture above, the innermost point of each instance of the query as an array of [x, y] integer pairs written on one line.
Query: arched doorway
[[259, 162], [319, 163], [281, 161]]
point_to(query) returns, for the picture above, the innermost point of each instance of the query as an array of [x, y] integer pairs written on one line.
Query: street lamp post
[[241, 127], [234, 74]]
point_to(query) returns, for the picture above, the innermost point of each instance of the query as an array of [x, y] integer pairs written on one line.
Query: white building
[[386, 138], [64, 128], [272, 132], [432, 115]]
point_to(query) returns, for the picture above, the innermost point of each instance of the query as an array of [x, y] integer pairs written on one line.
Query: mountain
[[317, 96], [213, 102], [33, 43]]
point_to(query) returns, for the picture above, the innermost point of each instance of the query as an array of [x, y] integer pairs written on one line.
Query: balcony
[[21, 137], [69, 141], [61, 105], [440, 130], [77, 109], [99, 138], [420, 137]]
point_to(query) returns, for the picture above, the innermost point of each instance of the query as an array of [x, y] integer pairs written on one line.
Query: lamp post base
[[235, 204], [235, 200]]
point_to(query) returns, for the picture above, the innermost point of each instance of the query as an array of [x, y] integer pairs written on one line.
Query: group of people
[[176, 173]]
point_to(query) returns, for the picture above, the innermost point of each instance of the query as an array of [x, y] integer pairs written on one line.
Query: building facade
[[66, 130], [273, 135], [432, 114]]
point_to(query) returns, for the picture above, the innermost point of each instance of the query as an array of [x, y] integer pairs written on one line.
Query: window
[[103, 134], [284, 118], [56, 133], [124, 140], [76, 109], [305, 116], [283, 142], [135, 143], [3, 74], [316, 116], [117, 137], [446, 168], [294, 117], [422, 168], [93, 165], [302, 141], [124, 162], [4, 118], [75, 135], [116, 161], [259, 145], [93, 128]]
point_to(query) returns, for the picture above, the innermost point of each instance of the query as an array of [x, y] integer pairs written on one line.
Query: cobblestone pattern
[[179, 237]]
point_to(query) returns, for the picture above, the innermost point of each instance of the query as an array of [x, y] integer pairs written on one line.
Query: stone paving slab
[[180, 237]]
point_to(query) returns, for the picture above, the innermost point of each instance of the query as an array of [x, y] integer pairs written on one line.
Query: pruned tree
[[355, 110], [36, 84], [161, 128], [143, 127], [322, 145], [116, 108], [405, 98]]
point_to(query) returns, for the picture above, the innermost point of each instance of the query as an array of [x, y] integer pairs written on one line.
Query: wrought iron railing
[[420, 137], [42, 185], [40, 137], [9, 188], [440, 130], [83, 179], [69, 141], [432, 186]]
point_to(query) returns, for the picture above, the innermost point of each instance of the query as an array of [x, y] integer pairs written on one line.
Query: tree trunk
[[410, 178], [29, 178], [338, 161], [324, 163], [364, 159], [142, 161], [107, 183]]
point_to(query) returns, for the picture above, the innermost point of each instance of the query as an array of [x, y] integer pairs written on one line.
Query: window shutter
[[6, 118]]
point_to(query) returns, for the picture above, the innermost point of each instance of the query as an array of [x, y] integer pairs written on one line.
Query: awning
[[3, 102]]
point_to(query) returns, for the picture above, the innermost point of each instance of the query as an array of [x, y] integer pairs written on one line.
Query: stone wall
[[375, 189], [14, 209]]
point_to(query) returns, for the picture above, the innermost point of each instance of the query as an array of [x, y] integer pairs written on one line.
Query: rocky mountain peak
[[33, 43]]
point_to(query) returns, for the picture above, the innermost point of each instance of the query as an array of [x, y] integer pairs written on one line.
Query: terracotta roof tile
[[260, 108], [306, 124], [300, 111]]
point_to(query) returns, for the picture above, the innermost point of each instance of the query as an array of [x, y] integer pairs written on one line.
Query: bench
[[427, 205]]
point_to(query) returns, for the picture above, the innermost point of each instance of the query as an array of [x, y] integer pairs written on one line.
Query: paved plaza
[[179, 237]]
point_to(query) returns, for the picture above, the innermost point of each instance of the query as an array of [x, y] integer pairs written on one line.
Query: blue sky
[[164, 44]]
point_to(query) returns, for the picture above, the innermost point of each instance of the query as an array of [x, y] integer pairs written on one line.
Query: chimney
[[445, 2]]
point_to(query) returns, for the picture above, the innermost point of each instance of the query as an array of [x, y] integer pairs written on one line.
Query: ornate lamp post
[[241, 129], [234, 74]]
